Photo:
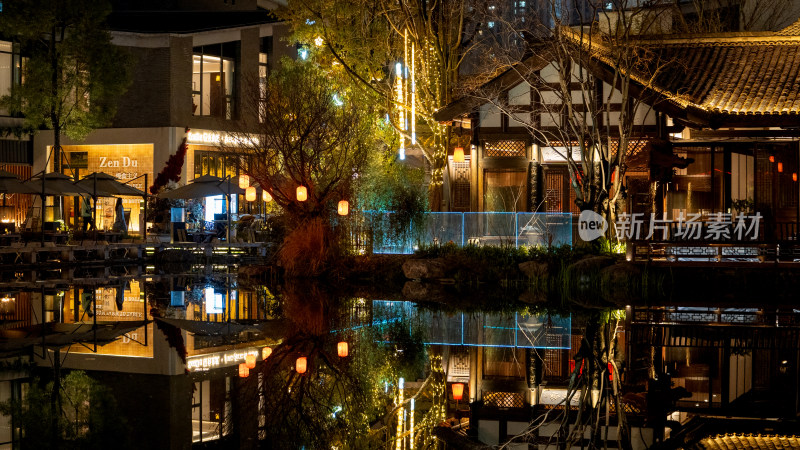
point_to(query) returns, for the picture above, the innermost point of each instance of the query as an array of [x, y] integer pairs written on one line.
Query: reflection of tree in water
[[345, 402]]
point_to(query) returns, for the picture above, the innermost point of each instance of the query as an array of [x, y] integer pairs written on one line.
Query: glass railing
[[387, 235]]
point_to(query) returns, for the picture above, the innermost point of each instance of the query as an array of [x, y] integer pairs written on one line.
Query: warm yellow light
[[771, 158], [319, 41], [301, 365], [250, 361], [265, 352], [250, 194], [266, 196], [458, 391], [780, 167], [344, 207], [794, 176], [302, 193], [342, 349], [244, 372], [244, 181], [458, 155]]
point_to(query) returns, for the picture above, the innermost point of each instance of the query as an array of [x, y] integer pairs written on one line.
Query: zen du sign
[[717, 227]]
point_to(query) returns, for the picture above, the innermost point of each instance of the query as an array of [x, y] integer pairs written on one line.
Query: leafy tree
[[73, 74], [309, 133], [88, 417], [406, 53]]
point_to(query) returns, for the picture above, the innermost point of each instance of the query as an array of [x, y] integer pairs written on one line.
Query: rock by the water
[[421, 269], [535, 269]]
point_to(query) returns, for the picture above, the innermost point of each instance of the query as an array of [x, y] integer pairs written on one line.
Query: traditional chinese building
[[714, 130]]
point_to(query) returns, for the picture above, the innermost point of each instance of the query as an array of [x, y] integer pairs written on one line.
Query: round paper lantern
[[780, 167], [301, 365], [302, 193], [244, 372], [250, 361], [265, 352], [458, 155], [266, 196], [342, 349], [458, 391], [244, 181], [344, 207], [250, 194]]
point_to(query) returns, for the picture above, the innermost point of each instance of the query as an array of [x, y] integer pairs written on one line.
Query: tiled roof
[[731, 76], [749, 442], [791, 30]]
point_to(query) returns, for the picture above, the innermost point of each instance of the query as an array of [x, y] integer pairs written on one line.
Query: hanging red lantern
[[302, 193], [250, 361], [780, 167], [343, 208], [458, 155], [610, 372], [342, 349], [265, 352], [794, 176], [250, 194], [301, 365], [244, 371], [772, 158], [458, 391]]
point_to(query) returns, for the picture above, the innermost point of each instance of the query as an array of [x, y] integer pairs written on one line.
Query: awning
[[203, 328], [57, 335]]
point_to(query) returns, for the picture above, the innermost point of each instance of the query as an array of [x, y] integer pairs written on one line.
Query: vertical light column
[[398, 69], [411, 427], [413, 96], [400, 414]]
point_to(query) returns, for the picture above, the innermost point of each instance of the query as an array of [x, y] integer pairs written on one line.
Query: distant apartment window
[[263, 72], [213, 80]]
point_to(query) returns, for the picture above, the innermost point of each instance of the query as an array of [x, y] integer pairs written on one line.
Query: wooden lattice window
[[461, 186], [504, 148], [503, 399]]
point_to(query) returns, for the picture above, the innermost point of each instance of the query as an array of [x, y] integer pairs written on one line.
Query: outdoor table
[[8, 239]]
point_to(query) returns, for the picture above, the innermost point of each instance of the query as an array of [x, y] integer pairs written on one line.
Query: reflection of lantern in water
[[302, 193], [794, 176], [244, 372], [344, 207], [265, 352], [342, 349], [250, 194], [458, 391], [244, 181], [250, 361], [266, 196], [610, 372], [780, 167], [300, 365]]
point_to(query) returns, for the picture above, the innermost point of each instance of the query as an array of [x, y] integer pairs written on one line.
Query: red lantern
[[458, 155], [265, 352], [780, 167], [610, 372], [772, 158], [244, 371], [250, 361], [301, 365], [458, 391], [794, 176], [342, 349]]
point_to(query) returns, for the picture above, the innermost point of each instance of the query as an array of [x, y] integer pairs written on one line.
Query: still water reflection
[[232, 359]]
